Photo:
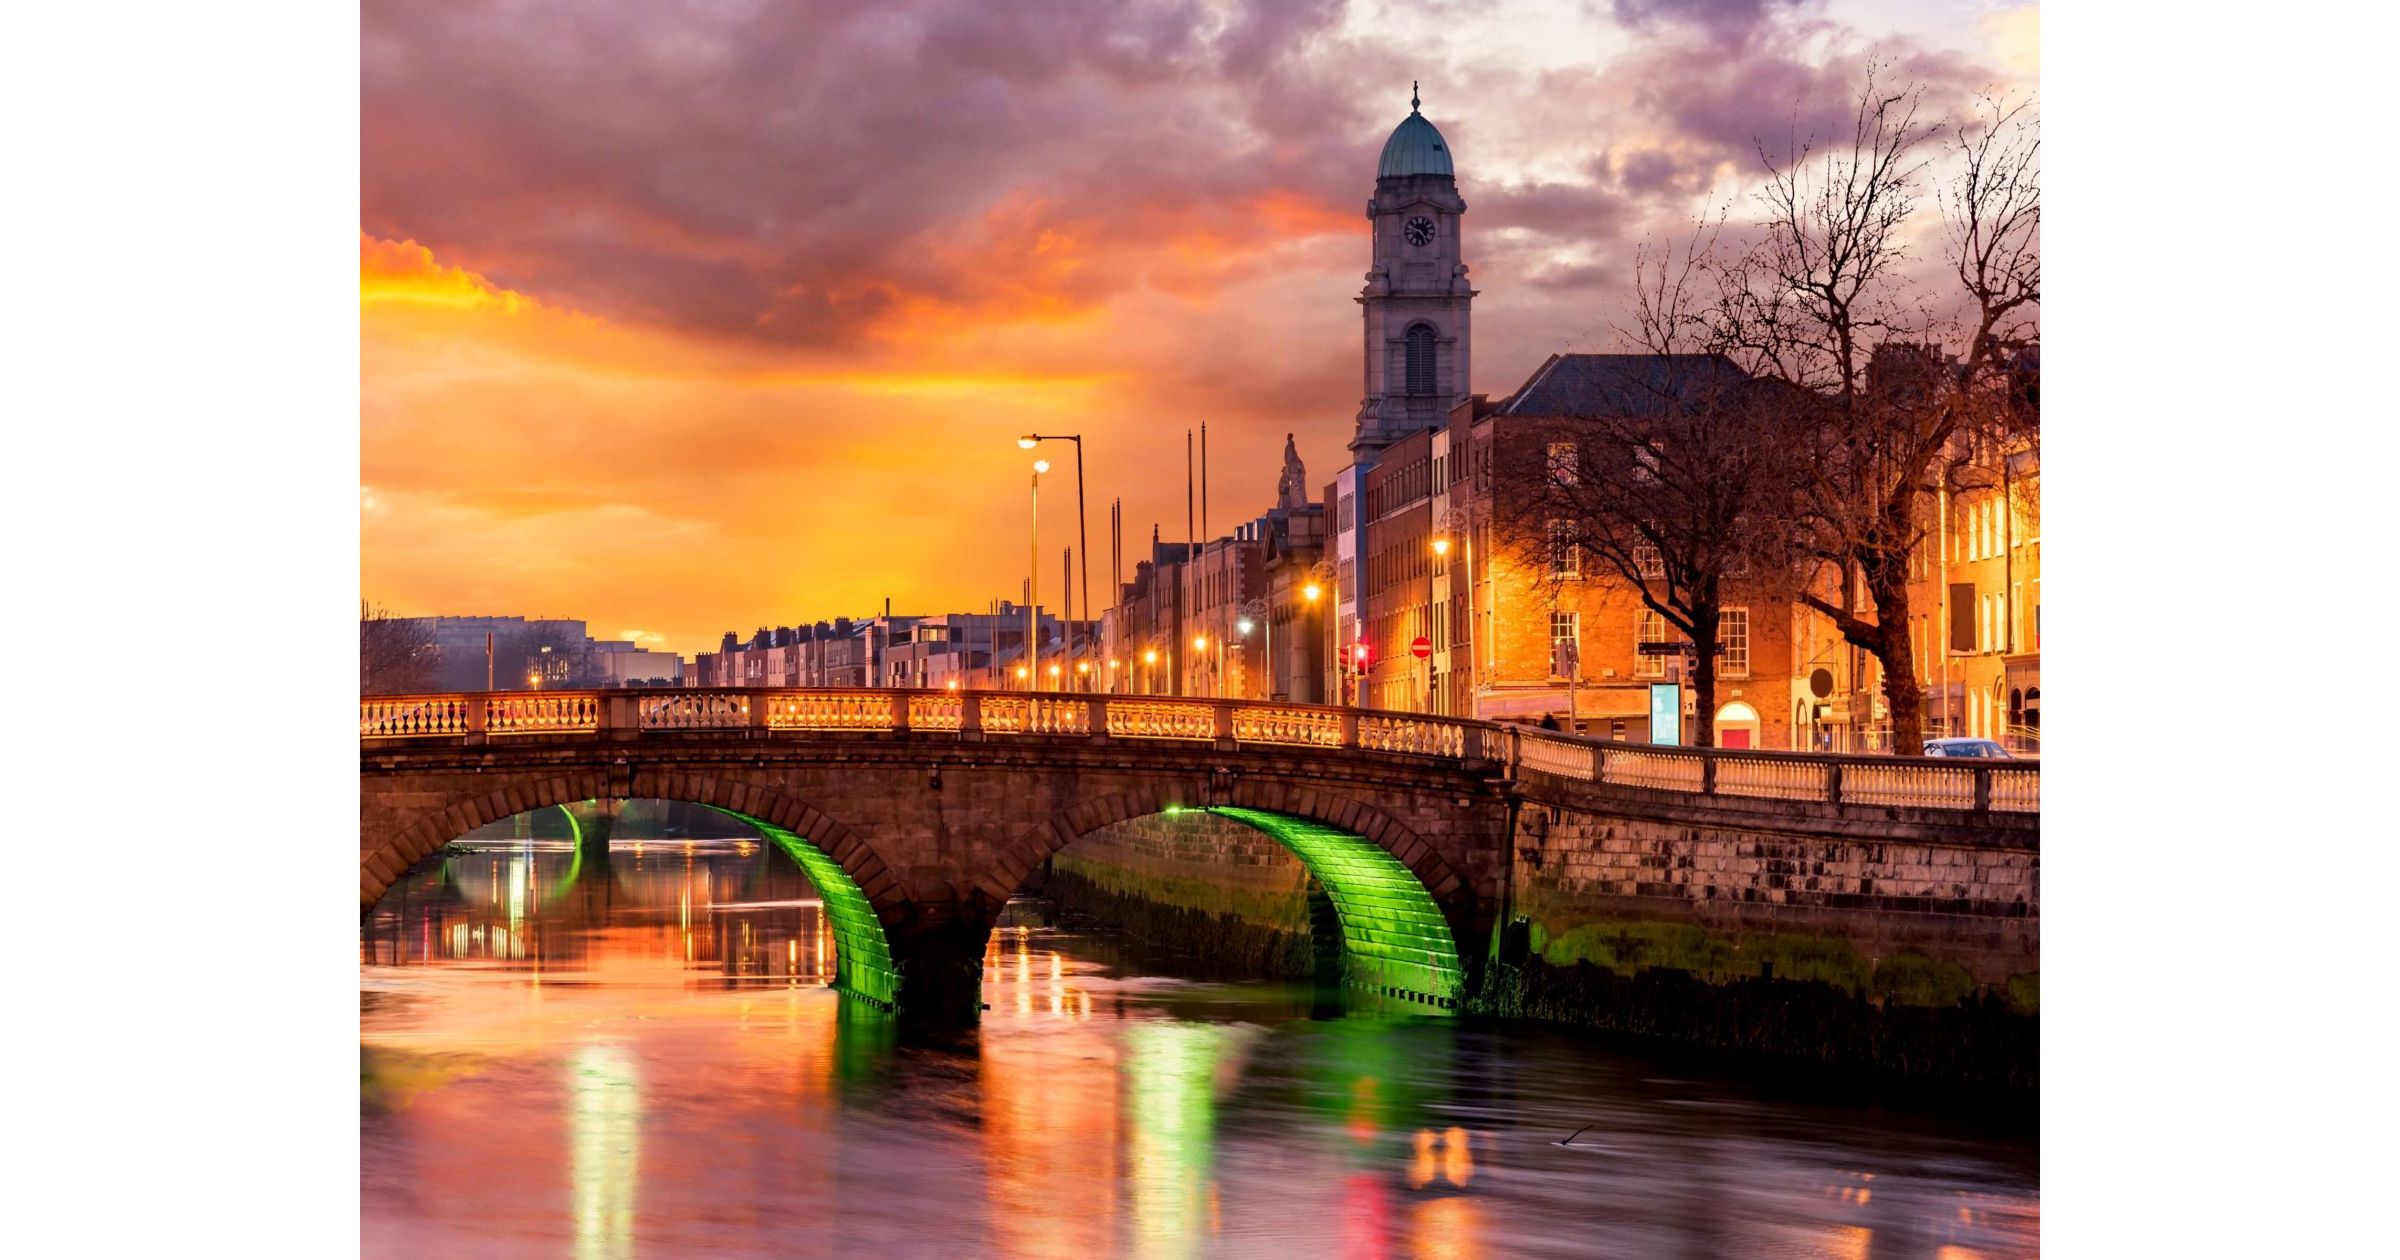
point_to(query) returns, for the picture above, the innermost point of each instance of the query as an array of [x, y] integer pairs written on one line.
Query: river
[[638, 1058]]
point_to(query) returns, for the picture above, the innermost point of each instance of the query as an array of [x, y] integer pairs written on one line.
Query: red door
[[1733, 739]]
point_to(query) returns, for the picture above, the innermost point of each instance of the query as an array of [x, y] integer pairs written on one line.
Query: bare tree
[[396, 655], [1895, 384], [544, 655], [1660, 488]]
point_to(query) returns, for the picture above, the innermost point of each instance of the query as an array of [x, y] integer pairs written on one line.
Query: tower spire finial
[[1413, 102]]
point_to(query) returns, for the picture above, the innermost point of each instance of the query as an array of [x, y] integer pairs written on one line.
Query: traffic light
[[1358, 657]]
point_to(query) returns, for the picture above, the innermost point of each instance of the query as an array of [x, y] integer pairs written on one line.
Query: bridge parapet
[[1978, 787], [1933, 783]]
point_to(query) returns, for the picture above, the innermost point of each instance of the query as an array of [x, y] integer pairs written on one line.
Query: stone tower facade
[[1416, 297]]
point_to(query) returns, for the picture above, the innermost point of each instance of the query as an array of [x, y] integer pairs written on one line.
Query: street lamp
[[1083, 536], [1253, 612], [1324, 575], [1033, 579], [1441, 549], [1150, 670]]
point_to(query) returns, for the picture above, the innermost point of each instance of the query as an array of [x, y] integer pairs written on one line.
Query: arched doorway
[[1737, 726]]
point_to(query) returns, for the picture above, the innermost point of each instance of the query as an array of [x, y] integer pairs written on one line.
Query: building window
[[1653, 630], [1566, 549], [1420, 359], [1566, 646], [1733, 639], [1648, 562], [1645, 463], [1562, 464]]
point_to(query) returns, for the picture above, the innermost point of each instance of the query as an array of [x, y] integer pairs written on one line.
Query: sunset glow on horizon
[[702, 321]]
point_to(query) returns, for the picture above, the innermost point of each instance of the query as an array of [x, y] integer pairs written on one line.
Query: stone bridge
[[918, 814]]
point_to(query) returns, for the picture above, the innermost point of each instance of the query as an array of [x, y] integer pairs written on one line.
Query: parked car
[[1959, 747]]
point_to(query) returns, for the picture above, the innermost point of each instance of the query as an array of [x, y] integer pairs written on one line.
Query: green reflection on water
[[1171, 1076], [606, 1094]]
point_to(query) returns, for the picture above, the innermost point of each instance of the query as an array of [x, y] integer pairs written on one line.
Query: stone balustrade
[[1513, 750]]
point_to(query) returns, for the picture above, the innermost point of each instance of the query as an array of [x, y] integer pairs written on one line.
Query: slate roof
[[1619, 384]]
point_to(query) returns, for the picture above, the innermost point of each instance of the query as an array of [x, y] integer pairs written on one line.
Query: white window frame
[[1564, 468], [1649, 627], [1649, 561], [1730, 663], [1566, 627], [1566, 562]]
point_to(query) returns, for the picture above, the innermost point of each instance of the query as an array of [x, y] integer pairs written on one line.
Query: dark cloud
[[1727, 21], [798, 173], [785, 170]]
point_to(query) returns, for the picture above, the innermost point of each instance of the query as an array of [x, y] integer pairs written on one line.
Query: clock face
[[1420, 231]]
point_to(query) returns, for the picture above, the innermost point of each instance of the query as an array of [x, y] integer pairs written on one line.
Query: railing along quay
[[1908, 782]]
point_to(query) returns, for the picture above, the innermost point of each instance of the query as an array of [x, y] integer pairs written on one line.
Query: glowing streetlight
[[1244, 626], [1312, 592], [951, 685], [1199, 642], [1441, 548], [1083, 533]]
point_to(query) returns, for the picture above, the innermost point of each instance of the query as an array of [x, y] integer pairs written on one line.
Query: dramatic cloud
[[692, 317]]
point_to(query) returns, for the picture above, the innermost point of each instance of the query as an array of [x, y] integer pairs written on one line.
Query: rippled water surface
[[565, 1058]]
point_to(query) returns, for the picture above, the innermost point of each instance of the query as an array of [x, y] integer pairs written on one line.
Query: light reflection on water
[[637, 1057]]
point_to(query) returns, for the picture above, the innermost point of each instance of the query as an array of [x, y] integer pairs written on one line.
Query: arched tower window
[[1420, 359]]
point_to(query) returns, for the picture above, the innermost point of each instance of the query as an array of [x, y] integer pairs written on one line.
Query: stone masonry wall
[[1195, 861], [1584, 877]]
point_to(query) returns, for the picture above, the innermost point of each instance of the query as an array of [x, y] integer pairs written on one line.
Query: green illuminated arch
[[1394, 939], [566, 882], [862, 957], [575, 866]]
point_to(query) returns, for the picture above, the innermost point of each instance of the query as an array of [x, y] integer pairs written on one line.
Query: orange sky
[[732, 322]]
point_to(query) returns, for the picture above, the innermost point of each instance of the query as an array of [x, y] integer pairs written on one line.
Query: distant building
[[966, 650]]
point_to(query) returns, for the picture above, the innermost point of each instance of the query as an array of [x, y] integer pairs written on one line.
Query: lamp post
[[1441, 550], [1311, 593], [1083, 537], [1454, 525], [1150, 670], [1254, 611], [1033, 582], [1324, 576], [1200, 645]]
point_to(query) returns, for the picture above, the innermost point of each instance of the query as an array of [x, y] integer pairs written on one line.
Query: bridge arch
[[1399, 903], [854, 882]]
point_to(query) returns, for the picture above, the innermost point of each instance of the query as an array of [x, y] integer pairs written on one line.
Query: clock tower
[[1416, 297]]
